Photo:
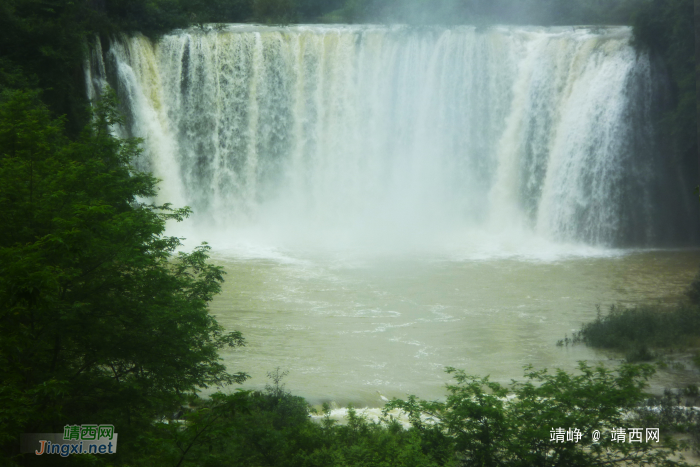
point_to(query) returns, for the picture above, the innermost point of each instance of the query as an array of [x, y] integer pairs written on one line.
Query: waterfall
[[394, 131]]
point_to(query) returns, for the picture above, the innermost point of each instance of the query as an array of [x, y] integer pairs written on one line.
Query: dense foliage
[[97, 321], [263, 429], [481, 423], [41, 48], [487, 424]]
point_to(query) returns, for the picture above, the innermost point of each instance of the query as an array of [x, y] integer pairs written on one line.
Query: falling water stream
[[391, 200]]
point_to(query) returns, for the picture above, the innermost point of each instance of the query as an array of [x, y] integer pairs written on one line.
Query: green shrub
[[487, 424], [635, 330]]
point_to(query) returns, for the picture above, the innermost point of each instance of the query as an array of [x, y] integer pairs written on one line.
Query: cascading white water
[[387, 133]]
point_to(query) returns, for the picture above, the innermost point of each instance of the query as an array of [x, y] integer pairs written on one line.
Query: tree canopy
[[98, 320]]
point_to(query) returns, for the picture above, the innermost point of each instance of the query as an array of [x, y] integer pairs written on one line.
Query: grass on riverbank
[[635, 331]]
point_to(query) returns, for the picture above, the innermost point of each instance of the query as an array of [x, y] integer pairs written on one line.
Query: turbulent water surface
[[347, 328], [390, 200]]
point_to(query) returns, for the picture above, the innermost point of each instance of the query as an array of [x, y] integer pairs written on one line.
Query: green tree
[[41, 46], [98, 321], [275, 11], [487, 424]]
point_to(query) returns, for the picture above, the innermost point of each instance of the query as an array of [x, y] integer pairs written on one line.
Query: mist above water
[[506, 141]]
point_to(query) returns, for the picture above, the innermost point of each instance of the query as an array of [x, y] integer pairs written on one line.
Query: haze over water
[[388, 201]]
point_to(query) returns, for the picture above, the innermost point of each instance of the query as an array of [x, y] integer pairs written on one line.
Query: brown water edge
[[357, 330]]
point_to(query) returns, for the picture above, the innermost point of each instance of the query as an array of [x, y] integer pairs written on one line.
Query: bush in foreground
[[481, 423], [488, 424]]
